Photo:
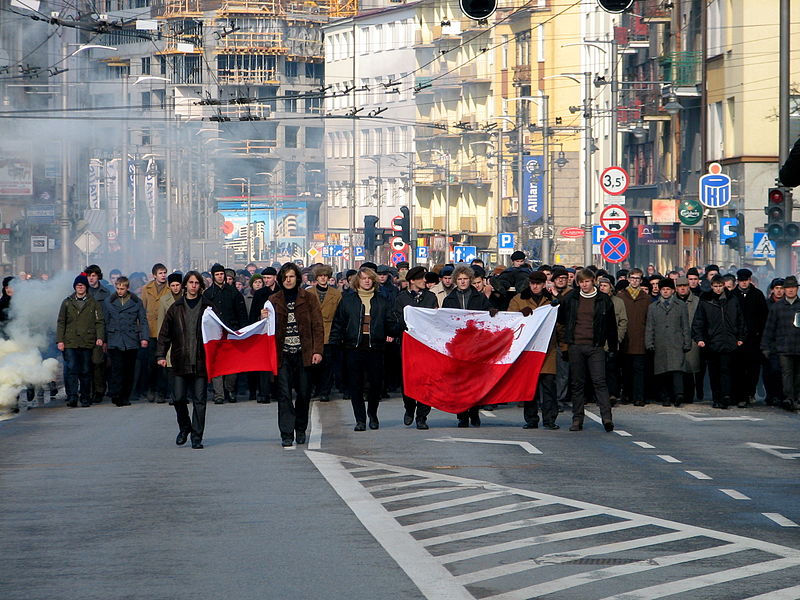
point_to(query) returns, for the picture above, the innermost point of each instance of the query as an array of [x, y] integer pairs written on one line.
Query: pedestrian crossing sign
[[762, 246]]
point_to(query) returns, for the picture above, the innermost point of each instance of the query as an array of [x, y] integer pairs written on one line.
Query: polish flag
[[456, 359], [249, 349]]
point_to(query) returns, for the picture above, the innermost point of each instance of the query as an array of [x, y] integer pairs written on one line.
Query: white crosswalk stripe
[[464, 538]]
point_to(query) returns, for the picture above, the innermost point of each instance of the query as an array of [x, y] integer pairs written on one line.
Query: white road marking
[[698, 475], [527, 446], [668, 458], [622, 433], [315, 439], [585, 539], [775, 450], [792, 593], [735, 495], [694, 417], [488, 413], [644, 445], [780, 520]]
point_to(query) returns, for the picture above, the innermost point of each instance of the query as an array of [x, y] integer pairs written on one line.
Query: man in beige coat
[[153, 378], [329, 298]]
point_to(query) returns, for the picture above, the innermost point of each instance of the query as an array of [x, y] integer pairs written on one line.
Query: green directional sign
[[690, 212]]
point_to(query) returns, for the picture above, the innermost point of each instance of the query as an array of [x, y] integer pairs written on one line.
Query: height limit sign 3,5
[[614, 181]]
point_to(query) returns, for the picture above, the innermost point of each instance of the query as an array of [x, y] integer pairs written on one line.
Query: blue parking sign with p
[[422, 253], [505, 241]]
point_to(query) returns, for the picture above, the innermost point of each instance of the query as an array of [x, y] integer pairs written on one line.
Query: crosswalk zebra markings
[[668, 458], [736, 495], [644, 445]]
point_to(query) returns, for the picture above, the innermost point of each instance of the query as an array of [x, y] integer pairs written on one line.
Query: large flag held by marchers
[[249, 349], [456, 359]]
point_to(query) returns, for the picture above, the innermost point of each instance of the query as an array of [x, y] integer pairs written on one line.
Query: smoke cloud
[[34, 310]]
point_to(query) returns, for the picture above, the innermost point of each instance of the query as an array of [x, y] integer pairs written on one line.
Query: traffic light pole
[[783, 250]]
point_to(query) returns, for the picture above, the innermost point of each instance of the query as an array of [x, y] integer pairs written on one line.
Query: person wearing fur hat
[[545, 396], [79, 329], [668, 336]]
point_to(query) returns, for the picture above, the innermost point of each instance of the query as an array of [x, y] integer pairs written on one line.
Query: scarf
[[366, 298], [634, 292]]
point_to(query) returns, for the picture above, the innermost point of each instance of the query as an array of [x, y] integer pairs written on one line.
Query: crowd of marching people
[[633, 337]]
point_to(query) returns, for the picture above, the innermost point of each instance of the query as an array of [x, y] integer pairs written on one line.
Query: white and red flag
[[456, 359], [249, 349]]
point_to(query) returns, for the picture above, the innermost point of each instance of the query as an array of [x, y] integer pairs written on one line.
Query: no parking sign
[[615, 248]]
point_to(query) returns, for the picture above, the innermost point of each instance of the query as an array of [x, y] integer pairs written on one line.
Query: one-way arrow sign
[[527, 446], [775, 450]]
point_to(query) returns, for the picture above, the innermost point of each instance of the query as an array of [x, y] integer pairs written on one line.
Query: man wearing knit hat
[[80, 328]]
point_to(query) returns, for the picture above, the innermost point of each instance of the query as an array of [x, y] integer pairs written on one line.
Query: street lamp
[[269, 175], [246, 181], [446, 157], [673, 107]]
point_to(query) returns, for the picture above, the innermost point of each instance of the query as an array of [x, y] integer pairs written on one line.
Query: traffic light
[[615, 6], [737, 240], [373, 236], [478, 9], [405, 225], [780, 227]]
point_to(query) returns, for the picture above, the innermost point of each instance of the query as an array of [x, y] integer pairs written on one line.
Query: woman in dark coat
[[466, 297], [182, 332]]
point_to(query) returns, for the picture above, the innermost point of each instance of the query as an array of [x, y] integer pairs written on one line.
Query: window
[[717, 23], [379, 41], [314, 137], [145, 65], [163, 65], [290, 102], [290, 68], [290, 134], [504, 52], [145, 100]]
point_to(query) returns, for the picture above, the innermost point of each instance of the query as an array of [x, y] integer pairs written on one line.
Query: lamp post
[[246, 182], [268, 175], [446, 157]]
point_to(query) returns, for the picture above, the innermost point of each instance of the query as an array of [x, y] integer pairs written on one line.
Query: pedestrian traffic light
[[737, 234], [373, 236], [615, 6], [478, 9], [780, 228], [405, 225]]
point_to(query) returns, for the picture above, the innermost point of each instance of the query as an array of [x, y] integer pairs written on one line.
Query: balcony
[[472, 74], [522, 73], [681, 68]]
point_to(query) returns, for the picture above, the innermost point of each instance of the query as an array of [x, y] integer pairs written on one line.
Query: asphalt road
[[100, 503]]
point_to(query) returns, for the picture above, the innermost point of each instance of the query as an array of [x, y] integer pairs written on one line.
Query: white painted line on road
[[735, 495], [694, 417], [775, 450], [622, 433], [693, 583], [578, 579], [315, 439], [481, 514], [593, 416], [553, 559], [698, 475], [792, 593], [780, 520], [488, 413], [527, 446], [446, 504], [668, 458], [390, 486], [377, 477], [422, 494], [644, 445], [432, 579]]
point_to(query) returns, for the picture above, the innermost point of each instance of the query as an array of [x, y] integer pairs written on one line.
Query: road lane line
[[644, 445], [488, 413], [481, 514], [422, 494], [780, 520], [792, 593], [315, 439], [432, 579], [668, 458], [530, 522], [379, 477], [693, 583], [421, 508], [735, 495], [698, 475], [622, 433], [390, 486], [579, 579], [546, 560]]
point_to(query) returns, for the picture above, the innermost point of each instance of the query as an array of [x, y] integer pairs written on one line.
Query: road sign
[[38, 243], [614, 219], [614, 181], [762, 246], [87, 242], [397, 223], [313, 253], [690, 211], [345, 252], [398, 257], [505, 241], [715, 187], [615, 249], [422, 253], [464, 253], [358, 252], [397, 244], [725, 228], [598, 234]]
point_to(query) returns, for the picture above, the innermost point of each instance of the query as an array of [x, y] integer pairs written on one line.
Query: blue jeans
[[78, 369]]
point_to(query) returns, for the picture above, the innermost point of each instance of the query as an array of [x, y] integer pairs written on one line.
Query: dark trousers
[[790, 369], [588, 361], [545, 397], [293, 416], [562, 379], [224, 385], [98, 372], [259, 383], [470, 415], [324, 371], [720, 374], [152, 377], [120, 381], [670, 386], [700, 378], [634, 365], [186, 386], [78, 371], [747, 363], [613, 374], [773, 378], [365, 361], [413, 407]]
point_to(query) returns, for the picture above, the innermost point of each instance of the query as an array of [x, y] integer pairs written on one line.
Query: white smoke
[[34, 310]]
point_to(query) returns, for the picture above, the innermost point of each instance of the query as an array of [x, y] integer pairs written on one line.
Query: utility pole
[[546, 201], [499, 186], [64, 222], [520, 191], [614, 103], [447, 208], [783, 251], [587, 171]]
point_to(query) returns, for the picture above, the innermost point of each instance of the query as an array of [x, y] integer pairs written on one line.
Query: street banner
[[533, 192], [444, 348], [249, 349]]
